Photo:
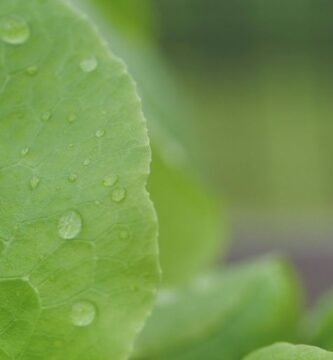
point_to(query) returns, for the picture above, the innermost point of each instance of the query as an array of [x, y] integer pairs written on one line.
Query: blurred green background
[[259, 75], [246, 88]]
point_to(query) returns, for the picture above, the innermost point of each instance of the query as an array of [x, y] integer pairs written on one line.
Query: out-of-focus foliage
[[290, 352], [188, 219], [223, 315], [320, 322]]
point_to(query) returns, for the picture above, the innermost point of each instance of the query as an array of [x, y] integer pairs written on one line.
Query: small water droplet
[[71, 118], [110, 180], [118, 194], [14, 30], [71, 146], [72, 178], [32, 70], [34, 182], [86, 162], [25, 151], [89, 64], [83, 313], [100, 133], [69, 225], [46, 116]]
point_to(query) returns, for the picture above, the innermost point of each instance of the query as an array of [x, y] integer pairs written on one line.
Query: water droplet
[[70, 225], [46, 116], [32, 70], [89, 64], [14, 30], [71, 146], [25, 151], [100, 133], [34, 182], [110, 180], [86, 162], [83, 313], [72, 178], [71, 118], [118, 194]]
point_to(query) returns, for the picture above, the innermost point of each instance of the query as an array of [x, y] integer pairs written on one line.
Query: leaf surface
[[78, 231]]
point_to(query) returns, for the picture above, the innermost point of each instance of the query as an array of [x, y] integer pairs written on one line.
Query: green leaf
[[78, 232], [321, 322], [223, 315], [290, 352], [188, 219]]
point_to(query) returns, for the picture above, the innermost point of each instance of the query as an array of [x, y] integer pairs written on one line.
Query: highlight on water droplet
[[70, 225], [89, 64], [72, 178], [14, 30], [118, 194], [110, 180], [32, 70], [34, 182], [83, 313], [100, 133]]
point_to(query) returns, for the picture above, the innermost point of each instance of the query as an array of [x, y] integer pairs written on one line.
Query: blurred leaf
[[223, 315], [133, 17], [321, 323], [78, 233], [290, 352], [188, 218]]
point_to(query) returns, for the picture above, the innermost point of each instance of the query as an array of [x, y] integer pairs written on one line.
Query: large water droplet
[[34, 182], [110, 180], [89, 64], [83, 313], [14, 30], [118, 194], [70, 225]]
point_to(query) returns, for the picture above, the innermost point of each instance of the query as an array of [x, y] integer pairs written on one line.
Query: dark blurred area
[[259, 75]]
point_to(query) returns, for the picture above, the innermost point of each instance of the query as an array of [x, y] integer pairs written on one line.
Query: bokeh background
[[258, 76]]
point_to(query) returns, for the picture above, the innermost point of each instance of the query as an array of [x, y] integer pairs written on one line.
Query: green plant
[[79, 268]]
